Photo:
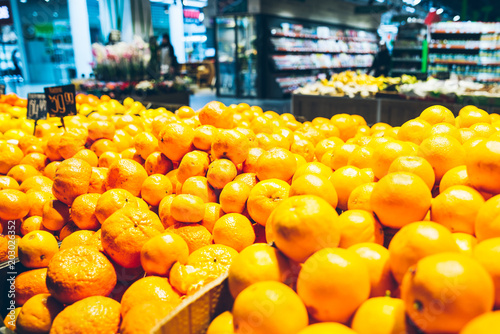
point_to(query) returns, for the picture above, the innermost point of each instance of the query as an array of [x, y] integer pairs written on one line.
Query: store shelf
[[307, 68], [461, 32], [454, 47], [408, 48], [402, 70], [410, 60], [454, 62], [310, 36], [298, 50]]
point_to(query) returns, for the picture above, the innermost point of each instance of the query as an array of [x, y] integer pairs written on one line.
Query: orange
[[386, 153], [222, 324], [113, 200], [312, 134], [316, 168], [204, 136], [195, 235], [71, 142], [38, 313], [13, 204], [101, 129], [376, 258], [157, 163], [249, 179], [187, 208], [466, 134], [164, 211], [266, 141], [33, 223], [302, 146], [145, 144], [67, 230], [37, 199], [361, 157], [454, 177], [10, 319], [483, 166], [437, 114], [216, 114], [345, 124], [345, 180], [107, 158], [301, 225], [487, 223], [102, 146], [78, 238], [7, 182], [339, 156], [232, 145], [251, 310], [221, 172], [444, 129], [155, 188], [142, 318], [310, 184], [326, 144], [199, 186], [249, 165], [36, 249], [213, 212], [414, 130], [160, 253], [234, 196], [98, 177], [357, 226], [126, 174], [83, 212], [482, 130], [175, 140], [95, 241], [416, 165], [443, 152], [465, 242], [125, 232], [204, 265], [55, 215], [257, 263], [333, 283], [487, 323], [470, 115], [416, 241], [21, 172], [11, 156], [234, 230], [89, 156], [360, 197], [194, 163], [399, 199], [95, 314], [277, 163], [72, 179], [456, 208], [327, 327], [264, 197], [90, 274], [487, 253], [385, 314], [29, 284], [455, 284], [38, 183]]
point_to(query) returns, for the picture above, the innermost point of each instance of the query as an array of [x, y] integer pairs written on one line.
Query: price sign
[[61, 100], [2, 89], [37, 106]]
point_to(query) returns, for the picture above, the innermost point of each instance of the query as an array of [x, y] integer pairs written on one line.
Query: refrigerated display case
[[237, 65]]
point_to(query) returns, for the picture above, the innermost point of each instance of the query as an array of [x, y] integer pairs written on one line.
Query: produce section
[[155, 205]]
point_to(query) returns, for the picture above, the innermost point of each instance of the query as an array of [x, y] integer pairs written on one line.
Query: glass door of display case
[[247, 56], [226, 56], [236, 56]]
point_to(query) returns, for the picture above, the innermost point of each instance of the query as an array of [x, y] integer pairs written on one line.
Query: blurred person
[[382, 62], [169, 64]]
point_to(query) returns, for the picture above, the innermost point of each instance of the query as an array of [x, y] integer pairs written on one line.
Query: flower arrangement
[[121, 61]]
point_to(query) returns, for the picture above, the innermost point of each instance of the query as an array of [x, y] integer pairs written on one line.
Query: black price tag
[[37, 106], [2, 89], [61, 100]]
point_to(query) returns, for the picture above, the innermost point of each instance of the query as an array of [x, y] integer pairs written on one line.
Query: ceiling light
[[456, 18], [440, 11]]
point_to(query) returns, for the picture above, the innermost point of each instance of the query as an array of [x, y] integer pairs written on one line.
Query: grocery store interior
[[252, 51], [250, 166]]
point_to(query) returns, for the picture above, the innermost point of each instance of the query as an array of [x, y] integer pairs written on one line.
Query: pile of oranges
[[328, 226]]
